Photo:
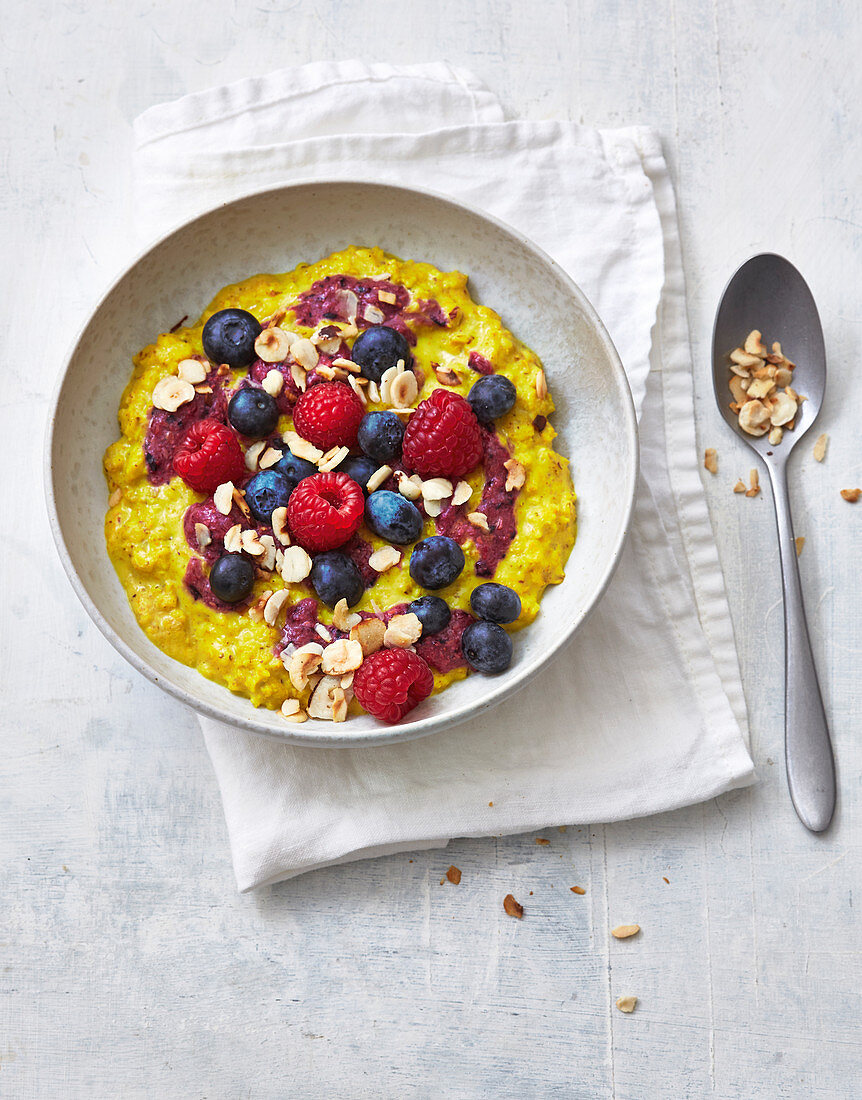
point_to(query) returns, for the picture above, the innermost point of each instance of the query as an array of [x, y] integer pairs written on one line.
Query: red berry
[[442, 438], [391, 682], [208, 456], [328, 415], [324, 510]]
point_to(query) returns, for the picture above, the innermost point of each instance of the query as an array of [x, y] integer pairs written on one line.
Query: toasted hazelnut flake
[[512, 907], [267, 561], [332, 459], [820, 447], [252, 455], [339, 704], [373, 392], [328, 699], [408, 488], [343, 618], [357, 389], [403, 390], [279, 526], [275, 320], [783, 411], [298, 377], [742, 358], [754, 344], [326, 341], [760, 387], [388, 297], [223, 498], [624, 931], [402, 631], [386, 380], [479, 519], [369, 633], [446, 376], [454, 875], [373, 315], [172, 392], [301, 447], [783, 377], [775, 436], [274, 605], [295, 566], [115, 498], [341, 657], [202, 535], [710, 460], [627, 1003], [303, 662], [516, 476], [269, 457], [325, 372], [273, 382], [754, 478], [739, 487], [437, 488], [542, 840], [239, 501], [577, 889], [800, 542], [323, 632], [273, 345], [233, 539], [304, 353], [380, 475], [433, 508], [851, 495], [387, 557], [290, 707], [347, 679], [541, 385], [251, 543], [754, 418], [191, 370]]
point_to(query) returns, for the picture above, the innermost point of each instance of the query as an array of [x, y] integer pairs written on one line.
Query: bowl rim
[[422, 727]]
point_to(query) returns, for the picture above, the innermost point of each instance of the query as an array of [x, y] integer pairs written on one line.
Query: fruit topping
[[391, 682], [253, 413], [208, 456], [265, 492], [393, 517], [325, 510], [492, 397], [442, 437], [360, 469], [380, 435], [436, 562], [294, 469], [229, 336], [232, 578], [336, 577], [495, 602], [328, 415], [432, 612], [379, 348], [486, 647]]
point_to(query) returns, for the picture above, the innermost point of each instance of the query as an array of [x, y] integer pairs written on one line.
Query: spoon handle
[[807, 748]]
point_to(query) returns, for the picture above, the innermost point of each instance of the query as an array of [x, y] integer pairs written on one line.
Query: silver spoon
[[769, 294]]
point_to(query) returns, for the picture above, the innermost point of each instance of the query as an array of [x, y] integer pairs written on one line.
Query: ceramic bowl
[[274, 231]]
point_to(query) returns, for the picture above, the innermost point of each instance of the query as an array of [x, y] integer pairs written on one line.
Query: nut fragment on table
[[754, 478], [624, 931], [710, 460], [800, 542], [820, 447], [851, 494], [759, 383], [512, 907], [627, 1003]]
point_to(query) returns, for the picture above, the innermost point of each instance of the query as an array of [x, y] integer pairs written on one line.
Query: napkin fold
[[644, 712]]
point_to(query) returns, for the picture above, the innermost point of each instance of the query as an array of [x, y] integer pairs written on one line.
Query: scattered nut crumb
[[295, 566], [253, 454], [223, 498], [369, 633], [343, 618], [800, 542], [710, 460], [273, 382], [403, 390], [627, 1003], [301, 447], [341, 657], [172, 392], [577, 889], [274, 605], [292, 711], [202, 535], [446, 376], [664, 879], [333, 458], [542, 840], [273, 345], [739, 487], [454, 875], [385, 558], [191, 370], [402, 631], [851, 494], [380, 475], [623, 931], [479, 519], [115, 498], [820, 447], [754, 478], [269, 457], [462, 493], [516, 475], [279, 525], [512, 907], [541, 385]]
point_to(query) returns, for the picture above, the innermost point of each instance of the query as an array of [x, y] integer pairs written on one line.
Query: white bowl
[[274, 231]]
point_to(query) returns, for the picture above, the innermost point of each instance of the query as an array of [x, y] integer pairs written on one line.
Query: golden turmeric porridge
[[338, 489]]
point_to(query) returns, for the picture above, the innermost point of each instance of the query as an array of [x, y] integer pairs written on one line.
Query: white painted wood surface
[[130, 966]]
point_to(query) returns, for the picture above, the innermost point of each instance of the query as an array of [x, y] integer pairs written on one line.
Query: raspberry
[[328, 415], [209, 455], [391, 682], [442, 438], [324, 510]]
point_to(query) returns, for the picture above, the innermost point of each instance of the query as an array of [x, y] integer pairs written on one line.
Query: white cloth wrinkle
[[644, 711]]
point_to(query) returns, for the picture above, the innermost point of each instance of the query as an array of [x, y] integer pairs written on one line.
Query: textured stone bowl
[[274, 231]]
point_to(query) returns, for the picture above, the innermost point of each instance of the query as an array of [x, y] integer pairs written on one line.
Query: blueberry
[[229, 336], [232, 578], [436, 561], [380, 435], [432, 612], [253, 413], [265, 492], [359, 468], [486, 647], [334, 577], [294, 469], [393, 517], [492, 397], [495, 602], [379, 348]]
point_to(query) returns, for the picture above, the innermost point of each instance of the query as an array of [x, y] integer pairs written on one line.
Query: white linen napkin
[[644, 712]]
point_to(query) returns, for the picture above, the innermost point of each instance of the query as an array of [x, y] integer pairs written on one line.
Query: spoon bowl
[[769, 294]]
